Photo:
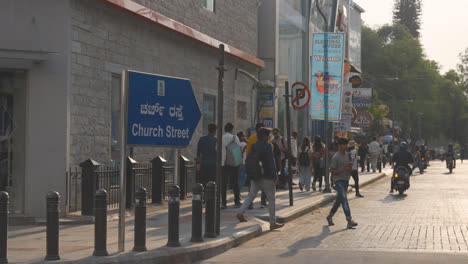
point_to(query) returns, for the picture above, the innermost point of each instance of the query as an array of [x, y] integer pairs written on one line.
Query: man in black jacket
[[267, 181]]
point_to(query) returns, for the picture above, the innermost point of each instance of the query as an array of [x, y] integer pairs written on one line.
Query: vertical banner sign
[[327, 76], [267, 108], [347, 109]]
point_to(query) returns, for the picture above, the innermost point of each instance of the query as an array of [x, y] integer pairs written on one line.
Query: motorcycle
[[400, 179], [450, 163], [423, 163]]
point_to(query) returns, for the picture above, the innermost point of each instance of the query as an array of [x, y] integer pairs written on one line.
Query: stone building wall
[[106, 40]]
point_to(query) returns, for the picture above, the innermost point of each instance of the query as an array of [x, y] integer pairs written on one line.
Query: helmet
[[403, 145]]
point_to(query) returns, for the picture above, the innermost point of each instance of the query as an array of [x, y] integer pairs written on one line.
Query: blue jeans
[[418, 165], [341, 186], [305, 174]]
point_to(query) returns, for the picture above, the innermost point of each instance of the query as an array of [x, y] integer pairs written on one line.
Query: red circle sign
[[304, 92]]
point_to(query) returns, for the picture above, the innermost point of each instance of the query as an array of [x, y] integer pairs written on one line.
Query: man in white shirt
[[229, 173], [374, 150]]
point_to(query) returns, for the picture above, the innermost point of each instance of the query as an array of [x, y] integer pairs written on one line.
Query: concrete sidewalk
[[26, 244]]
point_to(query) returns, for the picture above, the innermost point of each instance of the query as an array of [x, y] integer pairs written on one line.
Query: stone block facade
[[106, 41]]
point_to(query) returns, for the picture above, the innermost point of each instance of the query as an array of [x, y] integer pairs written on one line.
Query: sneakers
[[263, 205], [359, 195], [330, 220], [351, 224], [241, 217], [276, 226], [300, 187]]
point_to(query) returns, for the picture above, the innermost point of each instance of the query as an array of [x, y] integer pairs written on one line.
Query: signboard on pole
[[156, 110], [301, 95], [363, 119], [347, 110], [362, 97], [327, 76], [162, 110], [267, 110]]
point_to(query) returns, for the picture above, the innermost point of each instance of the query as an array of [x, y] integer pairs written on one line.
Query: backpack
[[304, 159], [233, 153], [253, 167]]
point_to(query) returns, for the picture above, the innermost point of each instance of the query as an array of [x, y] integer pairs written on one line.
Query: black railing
[[108, 177], [168, 179], [91, 176], [143, 178], [73, 197]]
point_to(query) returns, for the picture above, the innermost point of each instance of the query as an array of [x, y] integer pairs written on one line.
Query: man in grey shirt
[[341, 168]]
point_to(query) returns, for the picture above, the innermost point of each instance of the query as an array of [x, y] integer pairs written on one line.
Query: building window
[[209, 111], [115, 116], [209, 4], [242, 110]]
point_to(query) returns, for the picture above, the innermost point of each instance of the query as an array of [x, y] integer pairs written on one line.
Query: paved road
[[429, 224]]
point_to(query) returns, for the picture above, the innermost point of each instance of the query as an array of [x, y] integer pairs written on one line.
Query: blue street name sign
[[162, 110]]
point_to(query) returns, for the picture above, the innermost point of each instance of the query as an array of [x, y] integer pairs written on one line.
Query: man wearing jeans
[[267, 181], [341, 168]]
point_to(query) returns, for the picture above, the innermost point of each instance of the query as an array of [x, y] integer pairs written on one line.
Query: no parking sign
[[301, 95]]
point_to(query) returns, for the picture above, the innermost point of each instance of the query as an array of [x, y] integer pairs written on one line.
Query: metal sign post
[[288, 132], [219, 134], [123, 159]]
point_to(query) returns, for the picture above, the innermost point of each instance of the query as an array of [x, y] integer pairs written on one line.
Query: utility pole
[[219, 139], [288, 132]]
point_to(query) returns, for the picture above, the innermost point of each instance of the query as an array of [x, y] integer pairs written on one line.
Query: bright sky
[[444, 26]]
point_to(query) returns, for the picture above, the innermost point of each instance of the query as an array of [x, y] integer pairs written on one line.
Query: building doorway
[[12, 136]]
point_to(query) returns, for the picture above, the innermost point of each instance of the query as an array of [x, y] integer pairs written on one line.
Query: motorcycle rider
[[451, 153], [402, 158]]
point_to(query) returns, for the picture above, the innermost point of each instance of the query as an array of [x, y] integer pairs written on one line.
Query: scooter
[[400, 179], [450, 163]]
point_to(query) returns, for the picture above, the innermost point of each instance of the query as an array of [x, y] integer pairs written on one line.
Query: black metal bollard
[[52, 226], [210, 216], [100, 223], [174, 204], [4, 201], [140, 220], [197, 213]]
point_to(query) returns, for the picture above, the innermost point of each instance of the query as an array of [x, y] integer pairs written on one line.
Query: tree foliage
[[394, 64], [408, 13]]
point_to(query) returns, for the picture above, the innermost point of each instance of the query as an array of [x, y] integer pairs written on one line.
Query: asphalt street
[[428, 224]]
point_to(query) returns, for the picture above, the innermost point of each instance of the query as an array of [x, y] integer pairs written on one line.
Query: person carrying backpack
[[305, 164], [261, 170], [231, 159]]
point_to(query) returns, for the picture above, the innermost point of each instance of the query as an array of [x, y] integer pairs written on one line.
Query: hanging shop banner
[[327, 76], [267, 108], [362, 97], [347, 109]]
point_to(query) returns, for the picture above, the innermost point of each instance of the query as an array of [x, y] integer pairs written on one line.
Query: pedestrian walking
[[341, 168], [305, 164], [231, 155], [355, 172], [206, 156], [261, 170], [252, 140], [242, 174], [283, 147], [417, 162], [363, 153], [374, 151], [319, 162]]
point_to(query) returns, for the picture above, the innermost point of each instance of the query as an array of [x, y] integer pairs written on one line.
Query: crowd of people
[[261, 162]]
